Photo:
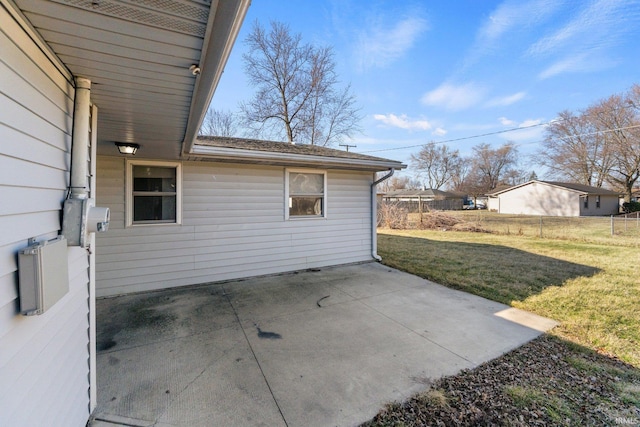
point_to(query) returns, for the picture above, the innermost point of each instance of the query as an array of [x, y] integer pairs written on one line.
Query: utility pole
[[348, 146]]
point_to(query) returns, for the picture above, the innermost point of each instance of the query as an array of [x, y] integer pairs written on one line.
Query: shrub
[[392, 215], [631, 207]]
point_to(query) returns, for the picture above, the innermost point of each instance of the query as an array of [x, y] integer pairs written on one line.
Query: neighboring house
[[235, 208], [75, 77], [554, 199], [430, 198]]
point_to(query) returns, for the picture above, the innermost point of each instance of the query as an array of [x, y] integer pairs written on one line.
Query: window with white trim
[[153, 192], [306, 193]]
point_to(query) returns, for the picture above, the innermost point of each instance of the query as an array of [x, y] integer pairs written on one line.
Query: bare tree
[[599, 146], [490, 165], [397, 183], [616, 119], [297, 94], [460, 174], [437, 162], [219, 123], [573, 151]]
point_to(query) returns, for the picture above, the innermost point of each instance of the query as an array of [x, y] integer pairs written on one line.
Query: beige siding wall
[[540, 199], [43, 359], [609, 205], [233, 226]]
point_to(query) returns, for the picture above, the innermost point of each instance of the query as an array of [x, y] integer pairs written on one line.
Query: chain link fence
[[620, 229]]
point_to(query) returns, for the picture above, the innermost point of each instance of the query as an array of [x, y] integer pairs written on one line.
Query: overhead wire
[[507, 131]]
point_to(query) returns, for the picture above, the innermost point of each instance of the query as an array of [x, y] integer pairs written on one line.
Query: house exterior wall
[[609, 205], [539, 199], [44, 369], [233, 226]]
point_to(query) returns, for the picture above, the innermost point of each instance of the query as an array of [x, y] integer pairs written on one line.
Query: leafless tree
[[573, 151], [437, 163], [460, 174], [219, 123], [598, 146], [616, 119], [490, 165], [397, 183], [297, 94]]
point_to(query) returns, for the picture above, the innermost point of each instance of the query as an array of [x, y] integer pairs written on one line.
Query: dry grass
[[592, 289]]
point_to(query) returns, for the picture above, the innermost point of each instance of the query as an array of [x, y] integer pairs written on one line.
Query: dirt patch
[[439, 220], [547, 382]]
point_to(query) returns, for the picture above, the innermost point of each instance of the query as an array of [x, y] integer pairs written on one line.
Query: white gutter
[[374, 215], [223, 26]]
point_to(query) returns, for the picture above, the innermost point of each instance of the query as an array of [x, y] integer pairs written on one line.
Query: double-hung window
[[153, 193], [306, 193]]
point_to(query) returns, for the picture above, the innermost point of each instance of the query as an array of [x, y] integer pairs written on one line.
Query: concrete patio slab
[[325, 347]]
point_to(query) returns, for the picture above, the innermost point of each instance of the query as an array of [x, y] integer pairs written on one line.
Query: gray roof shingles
[[282, 147]]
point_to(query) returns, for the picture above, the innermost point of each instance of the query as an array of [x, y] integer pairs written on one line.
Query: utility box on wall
[[43, 275]]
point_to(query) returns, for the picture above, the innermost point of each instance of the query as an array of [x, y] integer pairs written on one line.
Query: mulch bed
[[547, 382]]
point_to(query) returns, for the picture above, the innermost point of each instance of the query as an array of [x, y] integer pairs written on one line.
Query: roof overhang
[[580, 192], [138, 55], [233, 155]]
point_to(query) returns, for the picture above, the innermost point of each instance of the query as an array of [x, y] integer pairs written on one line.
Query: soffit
[[137, 54]]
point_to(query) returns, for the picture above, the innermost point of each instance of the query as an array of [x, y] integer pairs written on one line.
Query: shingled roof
[[584, 189], [282, 153]]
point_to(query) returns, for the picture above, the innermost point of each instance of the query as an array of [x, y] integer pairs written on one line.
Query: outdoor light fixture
[[127, 148]]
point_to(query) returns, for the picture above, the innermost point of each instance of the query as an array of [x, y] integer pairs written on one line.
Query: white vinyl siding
[[44, 368], [539, 198], [233, 225]]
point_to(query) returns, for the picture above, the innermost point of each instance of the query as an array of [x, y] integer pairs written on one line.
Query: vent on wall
[[43, 275]]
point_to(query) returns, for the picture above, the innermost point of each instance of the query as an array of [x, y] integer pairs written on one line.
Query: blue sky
[[449, 70]]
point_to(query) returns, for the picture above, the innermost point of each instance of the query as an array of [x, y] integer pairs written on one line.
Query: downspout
[[374, 215]]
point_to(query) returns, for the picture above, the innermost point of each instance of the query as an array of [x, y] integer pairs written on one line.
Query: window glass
[[154, 194], [306, 194], [306, 183], [152, 178]]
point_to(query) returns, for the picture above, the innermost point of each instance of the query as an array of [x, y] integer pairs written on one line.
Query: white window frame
[[129, 191], [287, 173]]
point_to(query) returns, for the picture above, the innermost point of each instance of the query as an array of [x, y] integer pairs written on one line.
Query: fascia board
[[218, 42], [231, 154]]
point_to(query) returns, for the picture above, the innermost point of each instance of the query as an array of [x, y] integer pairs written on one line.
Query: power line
[[463, 138], [507, 131]]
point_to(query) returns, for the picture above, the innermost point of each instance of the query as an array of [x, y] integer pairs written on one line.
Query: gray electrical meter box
[[43, 275]]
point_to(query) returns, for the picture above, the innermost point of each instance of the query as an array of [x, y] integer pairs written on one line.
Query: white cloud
[[439, 132], [454, 97], [381, 44], [527, 130], [402, 122], [584, 43], [510, 16], [506, 100], [582, 63], [506, 122], [529, 123], [513, 15]]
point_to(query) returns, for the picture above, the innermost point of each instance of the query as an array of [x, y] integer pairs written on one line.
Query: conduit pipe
[[80, 139], [374, 215], [80, 217]]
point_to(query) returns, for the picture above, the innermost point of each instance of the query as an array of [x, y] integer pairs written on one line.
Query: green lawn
[[592, 289]]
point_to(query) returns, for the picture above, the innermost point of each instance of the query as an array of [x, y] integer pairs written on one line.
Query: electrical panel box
[[44, 275]]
